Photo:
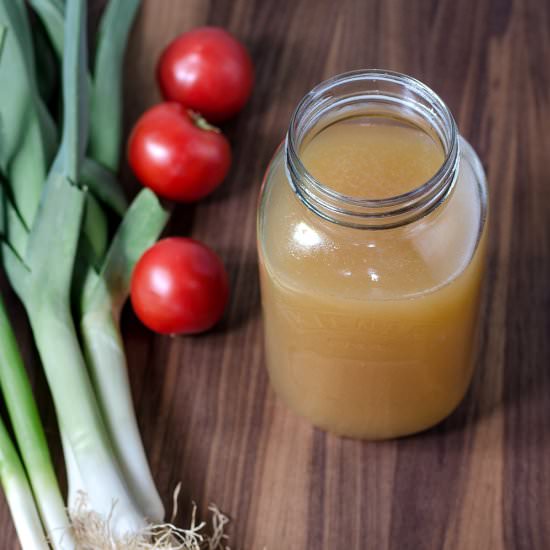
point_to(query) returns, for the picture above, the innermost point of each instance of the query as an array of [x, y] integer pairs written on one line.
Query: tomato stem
[[202, 123]]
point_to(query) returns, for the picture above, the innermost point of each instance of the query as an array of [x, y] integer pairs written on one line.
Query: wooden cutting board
[[481, 479]]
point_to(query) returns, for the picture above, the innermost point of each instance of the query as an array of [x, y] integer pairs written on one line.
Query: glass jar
[[370, 305]]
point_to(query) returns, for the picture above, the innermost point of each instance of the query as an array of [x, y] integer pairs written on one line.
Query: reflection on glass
[[305, 236]]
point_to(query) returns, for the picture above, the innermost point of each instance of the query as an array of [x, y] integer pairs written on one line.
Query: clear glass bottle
[[370, 301]]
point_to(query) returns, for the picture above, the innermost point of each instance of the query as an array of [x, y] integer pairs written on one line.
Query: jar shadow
[[514, 346]]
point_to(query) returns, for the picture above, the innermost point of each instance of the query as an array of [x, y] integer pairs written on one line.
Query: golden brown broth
[[371, 334], [372, 157]]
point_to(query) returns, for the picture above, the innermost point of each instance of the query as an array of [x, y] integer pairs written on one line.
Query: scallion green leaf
[[104, 185], [51, 14], [106, 99], [24, 156]]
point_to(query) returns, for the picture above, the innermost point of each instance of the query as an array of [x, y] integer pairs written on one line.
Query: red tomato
[[177, 155], [207, 70], [179, 286]]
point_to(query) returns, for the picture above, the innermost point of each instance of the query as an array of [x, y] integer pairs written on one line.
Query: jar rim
[[397, 205]]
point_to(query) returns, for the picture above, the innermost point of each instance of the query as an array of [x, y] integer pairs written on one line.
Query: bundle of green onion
[[72, 274]]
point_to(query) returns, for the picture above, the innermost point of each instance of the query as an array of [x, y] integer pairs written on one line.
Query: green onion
[[104, 186], [12, 474], [51, 14], [30, 437], [25, 123], [29, 433], [12, 227], [19, 496], [56, 252], [100, 180], [43, 282], [106, 98], [103, 297], [94, 231], [106, 290]]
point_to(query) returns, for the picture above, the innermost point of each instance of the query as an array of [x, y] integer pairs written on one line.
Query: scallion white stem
[[80, 421], [19, 496], [105, 354], [30, 437]]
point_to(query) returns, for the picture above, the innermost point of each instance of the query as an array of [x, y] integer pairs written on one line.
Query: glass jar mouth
[[377, 90]]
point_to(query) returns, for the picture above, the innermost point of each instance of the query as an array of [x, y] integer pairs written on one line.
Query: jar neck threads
[[372, 93]]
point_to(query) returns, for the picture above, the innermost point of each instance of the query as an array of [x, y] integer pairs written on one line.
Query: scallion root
[[91, 531]]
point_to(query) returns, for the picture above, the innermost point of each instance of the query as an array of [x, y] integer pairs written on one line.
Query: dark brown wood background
[[481, 479]]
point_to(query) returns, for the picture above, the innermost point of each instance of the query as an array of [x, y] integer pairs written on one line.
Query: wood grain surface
[[481, 479]]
